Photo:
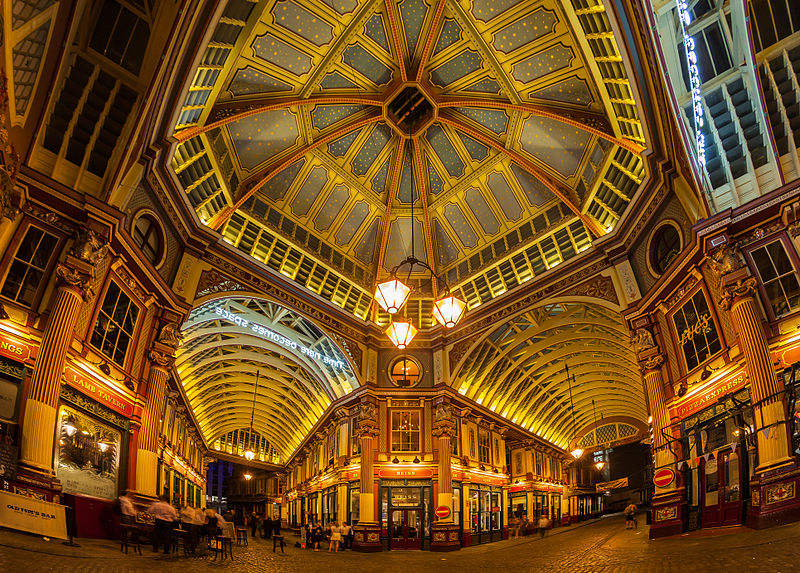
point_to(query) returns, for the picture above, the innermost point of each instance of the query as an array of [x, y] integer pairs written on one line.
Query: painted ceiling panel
[[486, 10], [324, 116], [379, 179], [342, 6], [450, 34], [444, 150], [367, 246], [332, 207], [376, 31], [557, 144], [456, 68], [446, 249], [499, 187], [367, 65], [413, 16], [352, 223], [277, 52], [335, 80], [477, 151], [484, 86], [492, 119], [378, 139], [249, 80], [310, 190], [543, 63], [524, 31], [572, 90], [261, 137], [277, 187], [399, 244], [339, 147], [535, 191], [464, 231], [483, 213], [297, 19]]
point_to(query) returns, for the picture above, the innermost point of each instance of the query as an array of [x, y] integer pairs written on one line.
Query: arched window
[[147, 234], [664, 247]]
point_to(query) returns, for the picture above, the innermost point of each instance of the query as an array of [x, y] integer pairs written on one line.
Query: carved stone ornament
[[742, 287], [443, 412], [366, 411], [642, 339], [726, 259], [367, 429], [443, 429], [74, 278], [89, 246], [9, 161], [652, 363], [161, 359], [171, 335]]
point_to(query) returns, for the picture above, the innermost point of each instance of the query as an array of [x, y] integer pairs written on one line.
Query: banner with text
[[32, 515], [616, 484]]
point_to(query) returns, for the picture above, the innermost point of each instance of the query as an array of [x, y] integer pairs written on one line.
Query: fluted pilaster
[[367, 433], [443, 431]]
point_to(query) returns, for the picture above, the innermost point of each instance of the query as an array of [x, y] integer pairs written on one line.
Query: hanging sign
[[608, 485], [32, 515], [664, 477]]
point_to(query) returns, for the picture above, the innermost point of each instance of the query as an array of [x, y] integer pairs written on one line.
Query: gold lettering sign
[[98, 392], [701, 326], [699, 402]]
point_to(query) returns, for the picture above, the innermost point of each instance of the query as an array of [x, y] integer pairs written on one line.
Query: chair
[[241, 536], [179, 539], [130, 537], [224, 542]]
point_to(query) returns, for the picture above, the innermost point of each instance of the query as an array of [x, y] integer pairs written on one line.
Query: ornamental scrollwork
[[443, 429], [742, 287], [726, 259], [171, 335], [89, 246], [74, 278], [642, 340], [161, 359], [367, 429]]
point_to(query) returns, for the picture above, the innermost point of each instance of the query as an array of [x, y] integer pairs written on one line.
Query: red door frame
[[405, 542]]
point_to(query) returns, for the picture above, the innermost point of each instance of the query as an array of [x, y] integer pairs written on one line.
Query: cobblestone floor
[[603, 546]]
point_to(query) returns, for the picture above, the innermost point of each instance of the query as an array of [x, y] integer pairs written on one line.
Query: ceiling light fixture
[[249, 454], [393, 294], [577, 452]]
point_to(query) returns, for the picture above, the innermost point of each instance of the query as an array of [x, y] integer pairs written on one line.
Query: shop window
[[115, 324], [147, 235], [405, 431], [472, 443], [87, 455], [778, 277], [457, 504], [538, 460], [355, 507], [484, 448], [664, 248], [697, 333], [24, 278], [454, 443]]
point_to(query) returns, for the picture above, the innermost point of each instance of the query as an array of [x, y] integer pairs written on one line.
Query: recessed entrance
[[406, 525]]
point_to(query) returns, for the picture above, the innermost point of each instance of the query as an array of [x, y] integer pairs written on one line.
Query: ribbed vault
[[230, 342], [518, 371]]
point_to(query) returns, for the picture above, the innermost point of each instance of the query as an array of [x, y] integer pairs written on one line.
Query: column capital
[[76, 277], [652, 363], [161, 359], [443, 429], [367, 429], [742, 288]]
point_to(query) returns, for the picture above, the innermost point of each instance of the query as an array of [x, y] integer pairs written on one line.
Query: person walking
[[266, 532], [630, 516], [165, 518], [346, 532], [316, 536], [544, 524], [336, 537]]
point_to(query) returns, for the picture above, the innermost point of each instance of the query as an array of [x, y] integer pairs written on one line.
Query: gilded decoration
[[367, 429], [642, 340], [73, 278], [89, 246], [780, 492], [171, 335], [9, 161], [726, 259], [443, 429], [755, 497], [77, 399], [666, 513], [161, 359], [212, 282], [741, 288], [601, 287], [652, 363]]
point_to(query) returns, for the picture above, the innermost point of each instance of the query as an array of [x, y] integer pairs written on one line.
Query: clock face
[[405, 372]]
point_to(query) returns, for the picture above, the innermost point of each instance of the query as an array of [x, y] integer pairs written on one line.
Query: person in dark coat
[[266, 533], [252, 520], [276, 526]]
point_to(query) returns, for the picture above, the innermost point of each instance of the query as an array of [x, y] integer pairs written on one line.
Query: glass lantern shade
[[248, 476], [392, 295], [401, 333], [576, 453], [600, 465], [249, 454], [449, 310]]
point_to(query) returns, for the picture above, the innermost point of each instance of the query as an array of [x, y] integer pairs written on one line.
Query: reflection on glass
[[712, 482], [732, 477]]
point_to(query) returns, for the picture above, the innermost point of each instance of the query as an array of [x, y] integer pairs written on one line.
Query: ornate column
[[367, 534], [161, 361], [444, 533], [41, 407], [769, 410]]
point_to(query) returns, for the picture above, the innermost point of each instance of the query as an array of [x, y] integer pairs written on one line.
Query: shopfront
[[329, 506], [484, 507], [406, 513]]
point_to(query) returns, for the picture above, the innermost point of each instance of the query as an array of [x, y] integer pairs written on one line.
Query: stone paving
[[597, 547]]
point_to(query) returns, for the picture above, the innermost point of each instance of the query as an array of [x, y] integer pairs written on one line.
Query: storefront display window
[[87, 455], [484, 508], [778, 277], [457, 503], [355, 500], [519, 504]]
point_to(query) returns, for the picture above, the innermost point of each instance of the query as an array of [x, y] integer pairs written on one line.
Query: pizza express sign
[[700, 401]]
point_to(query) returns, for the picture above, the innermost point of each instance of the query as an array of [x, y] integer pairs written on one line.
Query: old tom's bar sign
[[98, 391], [696, 403]]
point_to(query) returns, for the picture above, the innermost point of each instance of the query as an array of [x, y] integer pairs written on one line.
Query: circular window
[[664, 248], [147, 235], [405, 372]]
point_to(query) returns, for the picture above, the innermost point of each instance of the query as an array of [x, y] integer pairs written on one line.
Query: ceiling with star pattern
[[331, 138]]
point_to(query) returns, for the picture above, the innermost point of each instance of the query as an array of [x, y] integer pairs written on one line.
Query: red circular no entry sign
[[442, 512], [663, 477]]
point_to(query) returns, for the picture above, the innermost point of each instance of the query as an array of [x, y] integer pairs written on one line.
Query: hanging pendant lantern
[[392, 295], [576, 453], [449, 310], [401, 333], [249, 454]]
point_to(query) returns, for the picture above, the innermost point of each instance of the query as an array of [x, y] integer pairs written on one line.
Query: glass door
[[710, 474], [731, 495], [406, 529]]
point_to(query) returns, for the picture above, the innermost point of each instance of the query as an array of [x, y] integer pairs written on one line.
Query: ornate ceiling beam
[[396, 40], [562, 193], [432, 35], [594, 123], [232, 111], [249, 186], [426, 221]]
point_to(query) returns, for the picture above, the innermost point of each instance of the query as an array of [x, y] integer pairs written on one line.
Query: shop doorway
[[406, 529], [721, 488]]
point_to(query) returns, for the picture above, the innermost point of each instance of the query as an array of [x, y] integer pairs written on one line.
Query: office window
[[484, 448], [27, 268], [696, 331], [778, 277], [405, 431], [115, 324]]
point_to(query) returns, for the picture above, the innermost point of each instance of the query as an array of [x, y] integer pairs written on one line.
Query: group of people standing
[[263, 525], [338, 536], [520, 525]]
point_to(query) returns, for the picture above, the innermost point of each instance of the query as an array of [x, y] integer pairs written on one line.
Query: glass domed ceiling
[[311, 127]]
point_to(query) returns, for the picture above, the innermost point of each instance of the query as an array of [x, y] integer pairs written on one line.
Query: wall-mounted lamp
[[395, 460], [416, 459]]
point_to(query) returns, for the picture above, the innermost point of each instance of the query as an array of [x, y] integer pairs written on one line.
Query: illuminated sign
[[14, 349], [271, 335], [698, 402], [694, 80], [98, 392]]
